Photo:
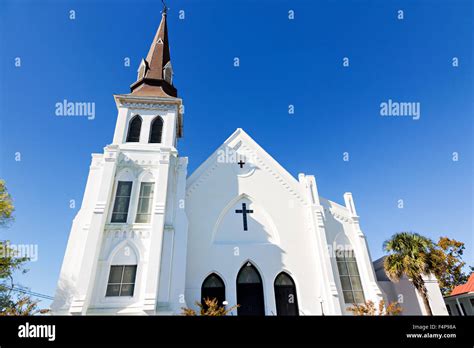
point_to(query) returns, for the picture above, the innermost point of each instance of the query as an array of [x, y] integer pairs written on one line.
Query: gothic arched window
[[156, 129], [134, 128], [349, 277], [213, 287], [141, 70], [168, 73]]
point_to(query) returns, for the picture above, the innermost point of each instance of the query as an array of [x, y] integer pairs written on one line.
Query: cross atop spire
[[155, 74], [164, 7]]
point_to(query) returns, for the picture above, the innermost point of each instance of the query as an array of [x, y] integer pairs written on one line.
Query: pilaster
[[362, 246], [88, 268], [329, 293], [158, 225]]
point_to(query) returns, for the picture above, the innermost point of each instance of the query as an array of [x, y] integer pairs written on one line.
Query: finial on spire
[[165, 9]]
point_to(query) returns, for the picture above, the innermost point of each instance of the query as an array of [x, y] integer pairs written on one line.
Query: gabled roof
[[266, 162], [291, 183], [464, 288]]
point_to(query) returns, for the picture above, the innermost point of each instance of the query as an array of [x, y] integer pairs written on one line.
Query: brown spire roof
[[152, 80]]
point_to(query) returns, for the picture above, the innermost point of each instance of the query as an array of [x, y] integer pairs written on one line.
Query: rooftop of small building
[[464, 288]]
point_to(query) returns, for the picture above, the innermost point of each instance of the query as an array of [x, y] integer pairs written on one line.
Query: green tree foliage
[[10, 304], [6, 205], [447, 264], [413, 255], [410, 255]]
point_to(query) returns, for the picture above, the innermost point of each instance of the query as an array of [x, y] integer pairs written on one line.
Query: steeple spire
[[155, 74]]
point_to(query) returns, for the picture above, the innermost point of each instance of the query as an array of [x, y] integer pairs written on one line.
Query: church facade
[[149, 239]]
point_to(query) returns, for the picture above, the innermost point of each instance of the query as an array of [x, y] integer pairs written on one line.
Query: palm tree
[[409, 255]]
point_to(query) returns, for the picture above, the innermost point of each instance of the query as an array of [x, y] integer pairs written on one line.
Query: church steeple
[[155, 74]]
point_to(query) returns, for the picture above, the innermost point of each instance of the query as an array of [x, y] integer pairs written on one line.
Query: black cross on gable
[[241, 163], [244, 213]]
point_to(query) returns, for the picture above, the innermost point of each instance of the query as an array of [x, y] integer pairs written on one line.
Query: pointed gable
[[243, 145]]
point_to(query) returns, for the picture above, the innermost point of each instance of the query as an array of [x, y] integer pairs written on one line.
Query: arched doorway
[[213, 287], [285, 295], [250, 291]]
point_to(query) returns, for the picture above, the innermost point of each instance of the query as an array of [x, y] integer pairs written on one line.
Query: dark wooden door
[[250, 299], [285, 295], [286, 301], [213, 293], [250, 291]]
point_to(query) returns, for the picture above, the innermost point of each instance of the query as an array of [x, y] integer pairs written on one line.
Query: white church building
[[150, 240]]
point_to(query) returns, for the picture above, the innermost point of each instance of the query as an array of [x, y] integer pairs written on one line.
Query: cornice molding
[[149, 106], [141, 102]]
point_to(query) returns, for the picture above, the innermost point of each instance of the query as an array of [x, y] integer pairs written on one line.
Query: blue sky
[[282, 62]]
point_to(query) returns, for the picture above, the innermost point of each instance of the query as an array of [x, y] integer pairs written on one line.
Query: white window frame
[[124, 175], [121, 283], [153, 187], [115, 199]]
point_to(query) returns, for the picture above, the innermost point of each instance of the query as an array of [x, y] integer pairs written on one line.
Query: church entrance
[[285, 295], [250, 291]]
